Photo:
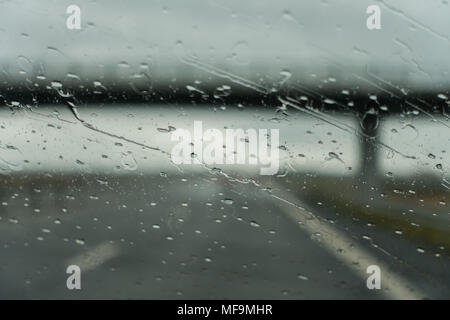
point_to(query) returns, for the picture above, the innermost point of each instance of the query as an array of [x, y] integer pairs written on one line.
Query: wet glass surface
[[87, 125]]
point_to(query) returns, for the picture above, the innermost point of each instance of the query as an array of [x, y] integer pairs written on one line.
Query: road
[[187, 237]]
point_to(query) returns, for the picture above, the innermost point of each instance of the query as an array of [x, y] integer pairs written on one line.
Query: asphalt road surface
[[192, 237]]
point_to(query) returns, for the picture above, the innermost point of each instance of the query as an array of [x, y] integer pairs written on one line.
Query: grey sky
[[327, 38]]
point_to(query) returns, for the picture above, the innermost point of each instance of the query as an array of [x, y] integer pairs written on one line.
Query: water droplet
[[128, 161], [56, 84], [227, 201], [302, 277], [254, 224]]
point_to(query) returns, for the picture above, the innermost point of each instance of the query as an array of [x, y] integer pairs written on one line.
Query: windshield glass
[[224, 150]]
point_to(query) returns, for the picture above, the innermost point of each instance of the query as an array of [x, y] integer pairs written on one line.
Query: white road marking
[[95, 256], [393, 285]]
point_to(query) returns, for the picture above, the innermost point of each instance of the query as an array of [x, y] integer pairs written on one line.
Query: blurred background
[[86, 119]]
